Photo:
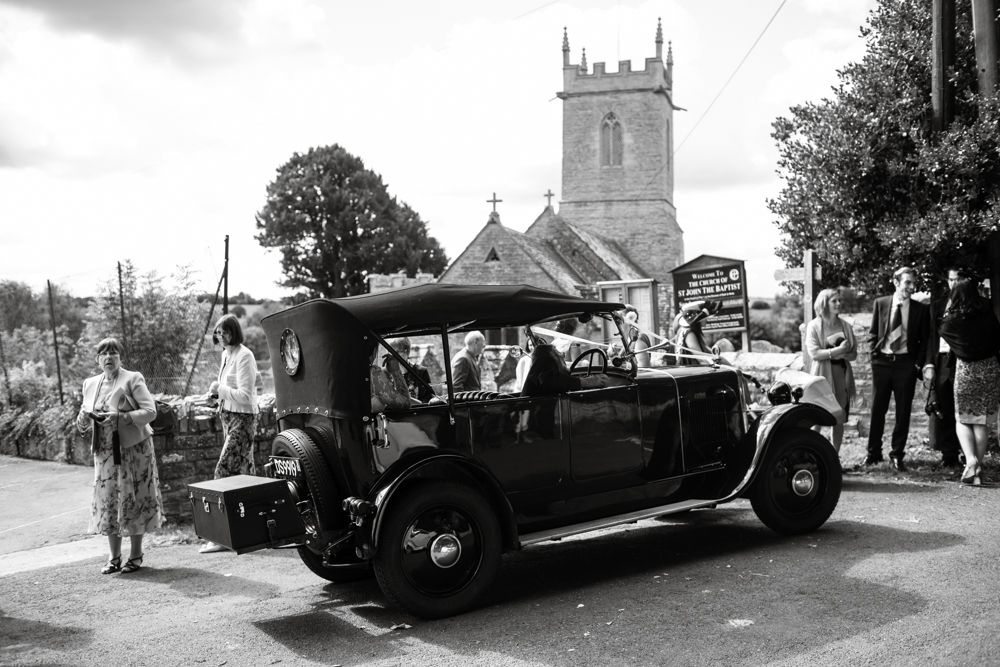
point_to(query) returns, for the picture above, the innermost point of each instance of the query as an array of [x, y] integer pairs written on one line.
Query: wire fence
[[47, 340]]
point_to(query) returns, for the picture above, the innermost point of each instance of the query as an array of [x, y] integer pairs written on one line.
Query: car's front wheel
[[439, 549], [798, 485]]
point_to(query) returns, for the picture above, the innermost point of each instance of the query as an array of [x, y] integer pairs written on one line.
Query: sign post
[[808, 274]]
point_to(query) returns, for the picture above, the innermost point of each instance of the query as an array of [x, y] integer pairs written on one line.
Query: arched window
[[611, 142]]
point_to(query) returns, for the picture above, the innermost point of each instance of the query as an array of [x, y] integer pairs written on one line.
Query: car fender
[[773, 422], [430, 466]]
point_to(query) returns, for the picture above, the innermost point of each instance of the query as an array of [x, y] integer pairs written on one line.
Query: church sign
[[720, 282]]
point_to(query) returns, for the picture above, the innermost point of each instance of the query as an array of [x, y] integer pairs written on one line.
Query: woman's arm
[[814, 346], [146, 412], [851, 354]]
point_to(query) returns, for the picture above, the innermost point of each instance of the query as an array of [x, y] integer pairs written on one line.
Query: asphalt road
[[905, 572]]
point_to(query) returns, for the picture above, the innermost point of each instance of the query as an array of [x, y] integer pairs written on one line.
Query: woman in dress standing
[[972, 331], [832, 347], [117, 407], [236, 391]]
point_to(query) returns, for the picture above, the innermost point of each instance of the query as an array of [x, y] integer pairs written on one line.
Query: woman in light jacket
[[236, 390], [832, 347], [117, 407]]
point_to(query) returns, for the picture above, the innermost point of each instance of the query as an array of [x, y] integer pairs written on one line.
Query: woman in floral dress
[[117, 408]]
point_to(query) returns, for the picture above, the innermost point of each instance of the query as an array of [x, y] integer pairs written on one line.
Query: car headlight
[[291, 353]]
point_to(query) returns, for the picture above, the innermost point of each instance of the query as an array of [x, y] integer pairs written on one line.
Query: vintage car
[[431, 496]]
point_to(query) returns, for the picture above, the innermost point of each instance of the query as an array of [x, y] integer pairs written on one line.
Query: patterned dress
[[237, 451], [126, 497], [977, 390]]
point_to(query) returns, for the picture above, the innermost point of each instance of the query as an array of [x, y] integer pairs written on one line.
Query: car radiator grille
[[709, 419]]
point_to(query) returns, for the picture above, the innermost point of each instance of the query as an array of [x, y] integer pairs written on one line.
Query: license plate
[[285, 467]]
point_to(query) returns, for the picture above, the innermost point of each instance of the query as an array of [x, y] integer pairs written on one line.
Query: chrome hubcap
[[445, 550], [803, 483]]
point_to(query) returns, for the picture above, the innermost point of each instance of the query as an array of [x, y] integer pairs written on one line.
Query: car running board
[[597, 524]]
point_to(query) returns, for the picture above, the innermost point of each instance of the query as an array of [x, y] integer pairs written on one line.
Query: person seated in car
[[548, 375], [387, 383]]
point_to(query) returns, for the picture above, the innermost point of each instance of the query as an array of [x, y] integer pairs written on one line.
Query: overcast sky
[[150, 129]]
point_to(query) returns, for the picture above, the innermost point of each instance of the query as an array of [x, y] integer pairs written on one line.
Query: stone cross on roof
[[494, 201], [549, 195]]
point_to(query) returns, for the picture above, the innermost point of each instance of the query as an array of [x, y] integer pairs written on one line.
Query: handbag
[[933, 407]]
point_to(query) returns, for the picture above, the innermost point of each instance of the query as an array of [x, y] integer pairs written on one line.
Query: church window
[[493, 256], [611, 142]]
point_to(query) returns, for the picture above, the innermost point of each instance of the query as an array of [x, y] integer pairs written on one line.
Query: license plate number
[[285, 467]]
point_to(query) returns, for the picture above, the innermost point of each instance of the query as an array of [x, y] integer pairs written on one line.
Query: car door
[[605, 432]]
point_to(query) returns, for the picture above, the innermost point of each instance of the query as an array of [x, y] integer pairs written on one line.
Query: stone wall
[[189, 453]]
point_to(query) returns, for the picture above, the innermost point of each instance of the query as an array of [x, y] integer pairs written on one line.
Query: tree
[[868, 184], [335, 223], [163, 321]]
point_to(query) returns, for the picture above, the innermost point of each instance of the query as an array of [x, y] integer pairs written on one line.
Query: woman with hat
[[689, 342]]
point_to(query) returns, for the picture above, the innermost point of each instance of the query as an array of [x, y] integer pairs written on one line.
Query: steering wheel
[[588, 353]]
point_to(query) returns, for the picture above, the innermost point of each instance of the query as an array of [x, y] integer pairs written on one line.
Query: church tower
[[617, 166]]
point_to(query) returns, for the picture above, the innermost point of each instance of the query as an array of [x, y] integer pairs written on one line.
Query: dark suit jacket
[[918, 329], [937, 312], [465, 371]]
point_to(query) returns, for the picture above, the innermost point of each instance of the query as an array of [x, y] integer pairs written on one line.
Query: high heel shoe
[[978, 479], [969, 474]]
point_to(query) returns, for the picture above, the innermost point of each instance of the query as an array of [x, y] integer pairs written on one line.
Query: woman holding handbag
[[832, 347], [236, 391], [118, 408]]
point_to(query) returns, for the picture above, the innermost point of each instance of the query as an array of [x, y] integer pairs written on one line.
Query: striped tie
[[896, 329]]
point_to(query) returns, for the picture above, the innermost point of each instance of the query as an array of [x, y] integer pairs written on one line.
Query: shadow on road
[[708, 587], [197, 583], [20, 636]]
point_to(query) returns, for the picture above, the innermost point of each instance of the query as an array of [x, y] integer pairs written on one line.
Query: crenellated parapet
[[656, 76]]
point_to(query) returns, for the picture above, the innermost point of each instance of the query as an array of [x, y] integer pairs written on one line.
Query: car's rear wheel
[[439, 549], [321, 494], [798, 485]]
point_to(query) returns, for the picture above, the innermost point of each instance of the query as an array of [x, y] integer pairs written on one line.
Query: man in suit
[[898, 340], [941, 423], [465, 364]]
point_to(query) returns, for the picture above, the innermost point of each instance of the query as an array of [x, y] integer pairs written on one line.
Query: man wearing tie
[[898, 340]]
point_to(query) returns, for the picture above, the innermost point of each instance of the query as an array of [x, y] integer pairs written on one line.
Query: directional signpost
[[807, 274]]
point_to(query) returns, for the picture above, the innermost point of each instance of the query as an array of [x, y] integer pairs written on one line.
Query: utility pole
[[984, 27], [121, 305], [942, 61], [55, 341], [225, 284]]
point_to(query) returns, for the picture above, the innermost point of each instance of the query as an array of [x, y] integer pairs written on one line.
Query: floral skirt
[[237, 450], [127, 496], [977, 390]]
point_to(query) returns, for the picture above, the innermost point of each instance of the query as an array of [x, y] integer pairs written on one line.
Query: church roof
[[549, 261], [610, 253], [553, 253]]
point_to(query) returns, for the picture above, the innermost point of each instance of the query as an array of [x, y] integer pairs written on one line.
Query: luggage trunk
[[246, 513]]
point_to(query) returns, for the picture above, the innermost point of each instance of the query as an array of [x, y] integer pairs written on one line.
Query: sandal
[[133, 564], [113, 565]]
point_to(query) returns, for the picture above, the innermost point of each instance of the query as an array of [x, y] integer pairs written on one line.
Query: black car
[[431, 496]]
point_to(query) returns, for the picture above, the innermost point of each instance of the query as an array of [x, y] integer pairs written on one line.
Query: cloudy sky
[[149, 130]]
